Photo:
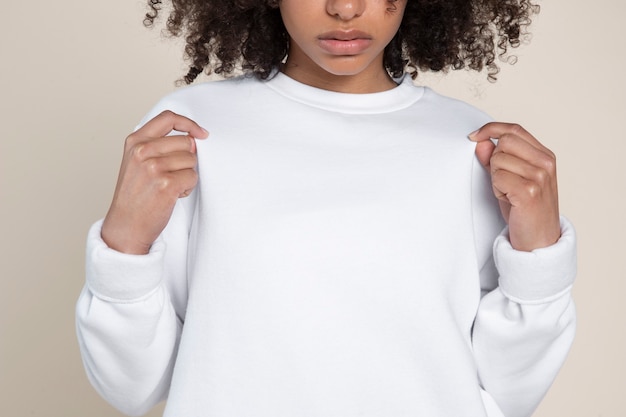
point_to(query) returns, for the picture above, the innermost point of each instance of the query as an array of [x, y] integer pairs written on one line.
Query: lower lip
[[347, 47]]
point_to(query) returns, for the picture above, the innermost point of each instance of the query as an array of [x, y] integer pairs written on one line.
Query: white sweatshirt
[[335, 260]]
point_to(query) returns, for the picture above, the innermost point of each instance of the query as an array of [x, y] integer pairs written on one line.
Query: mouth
[[350, 42], [345, 35]]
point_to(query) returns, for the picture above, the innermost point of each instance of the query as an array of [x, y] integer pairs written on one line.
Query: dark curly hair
[[223, 36]]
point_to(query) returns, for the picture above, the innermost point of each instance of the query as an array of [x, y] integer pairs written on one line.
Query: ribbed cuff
[[120, 277], [540, 275]]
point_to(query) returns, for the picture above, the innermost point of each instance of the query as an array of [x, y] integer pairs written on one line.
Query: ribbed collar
[[388, 101]]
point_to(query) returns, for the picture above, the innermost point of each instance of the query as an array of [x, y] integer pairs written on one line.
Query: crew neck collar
[[388, 101]]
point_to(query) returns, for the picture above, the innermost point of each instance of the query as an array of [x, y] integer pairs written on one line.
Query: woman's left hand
[[523, 177]]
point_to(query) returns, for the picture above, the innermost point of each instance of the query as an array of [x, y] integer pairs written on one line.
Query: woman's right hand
[[156, 170]]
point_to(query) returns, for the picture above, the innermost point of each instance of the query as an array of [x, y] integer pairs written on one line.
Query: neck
[[361, 83]]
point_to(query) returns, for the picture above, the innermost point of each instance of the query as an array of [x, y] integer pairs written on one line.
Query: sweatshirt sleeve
[[525, 322], [129, 316]]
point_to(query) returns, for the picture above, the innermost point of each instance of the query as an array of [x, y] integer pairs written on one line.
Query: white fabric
[[335, 260]]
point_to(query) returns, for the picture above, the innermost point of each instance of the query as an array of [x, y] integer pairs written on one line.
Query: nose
[[345, 9]]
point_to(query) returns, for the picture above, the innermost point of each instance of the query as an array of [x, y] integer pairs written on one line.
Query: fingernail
[[471, 135]]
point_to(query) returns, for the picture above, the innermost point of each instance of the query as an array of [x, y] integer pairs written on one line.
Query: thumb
[[484, 150]]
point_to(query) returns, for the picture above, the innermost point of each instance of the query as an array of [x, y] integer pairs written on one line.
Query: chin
[[346, 68]]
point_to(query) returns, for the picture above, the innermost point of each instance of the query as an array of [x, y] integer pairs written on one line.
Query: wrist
[[120, 239], [527, 236]]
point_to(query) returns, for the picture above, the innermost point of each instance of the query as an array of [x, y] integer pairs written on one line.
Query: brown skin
[[523, 175], [349, 71], [155, 172]]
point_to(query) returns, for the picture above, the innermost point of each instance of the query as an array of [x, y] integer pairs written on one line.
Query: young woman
[[339, 251]]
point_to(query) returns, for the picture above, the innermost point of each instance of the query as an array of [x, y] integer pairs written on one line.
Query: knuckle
[[517, 129], [166, 114], [163, 184], [153, 166], [550, 164], [174, 185], [532, 191], [131, 140], [542, 176], [551, 154], [139, 151]]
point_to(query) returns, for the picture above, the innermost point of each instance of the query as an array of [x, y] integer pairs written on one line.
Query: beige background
[[75, 78]]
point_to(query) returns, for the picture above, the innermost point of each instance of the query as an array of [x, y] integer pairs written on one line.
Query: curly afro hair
[[225, 36]]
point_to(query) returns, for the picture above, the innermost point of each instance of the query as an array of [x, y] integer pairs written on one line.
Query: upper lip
[[345, 35]]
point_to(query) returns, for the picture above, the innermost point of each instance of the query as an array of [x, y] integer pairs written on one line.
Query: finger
[[173, 162], [484, 151], [167, 121], [143, 149], [514, 145], [516, 190], [495, 130], [187, 180], [501, 161], [185, 193], [171, 185]]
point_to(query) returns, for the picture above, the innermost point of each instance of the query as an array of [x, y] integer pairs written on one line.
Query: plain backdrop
[[75, 78]]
